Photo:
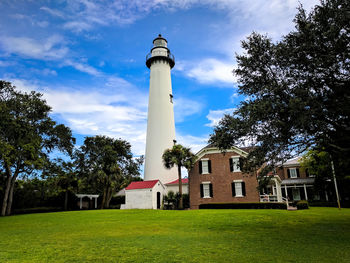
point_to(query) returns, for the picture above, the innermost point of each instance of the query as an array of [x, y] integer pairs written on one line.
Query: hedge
[[37, 210], [303, 204], [243, 206]]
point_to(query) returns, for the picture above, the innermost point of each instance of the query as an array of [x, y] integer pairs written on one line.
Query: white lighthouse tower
[[160, 124]]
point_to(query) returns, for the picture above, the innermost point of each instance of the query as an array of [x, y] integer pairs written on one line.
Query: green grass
[[314, 235]]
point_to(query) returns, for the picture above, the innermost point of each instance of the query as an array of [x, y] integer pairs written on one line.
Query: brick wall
[[283, 173], [221, 178]]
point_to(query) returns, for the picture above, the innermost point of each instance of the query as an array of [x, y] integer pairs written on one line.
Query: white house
[[174, 186], [144, 195]]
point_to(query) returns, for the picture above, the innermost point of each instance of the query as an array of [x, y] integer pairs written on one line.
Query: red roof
[[141, 185], [184, 181]]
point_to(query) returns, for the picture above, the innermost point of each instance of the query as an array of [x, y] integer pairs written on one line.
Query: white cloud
[[53, 12], [102, 111], [51, 48], [186, 107], [82, 67], [196, 143], [215, 116], [116, 108], [209, 71], [77, 26]]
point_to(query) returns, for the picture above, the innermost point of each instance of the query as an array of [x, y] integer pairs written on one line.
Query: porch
[[272, 192]]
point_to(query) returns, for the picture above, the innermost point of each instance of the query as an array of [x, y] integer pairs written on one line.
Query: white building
[[174, 186], [144, 195]]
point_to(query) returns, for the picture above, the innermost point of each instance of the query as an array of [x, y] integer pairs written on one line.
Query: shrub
[[303, 204], [243, 206], [37, 210]]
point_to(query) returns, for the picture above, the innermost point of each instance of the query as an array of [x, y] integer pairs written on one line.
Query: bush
[[37, 210], [303, 204], [243, 206]]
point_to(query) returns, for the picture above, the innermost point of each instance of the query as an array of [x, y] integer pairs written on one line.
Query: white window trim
[[235, 160], [206, 183], [290, 173], [205, 160], [238, 181]]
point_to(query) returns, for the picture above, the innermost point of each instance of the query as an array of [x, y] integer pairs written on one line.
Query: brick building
[[216, 178]]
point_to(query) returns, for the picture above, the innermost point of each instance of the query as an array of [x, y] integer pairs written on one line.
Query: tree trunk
[[109, 196], [180, 187], [6, 194], [10, 197], [103, 199], [66, 200], [189, 188]]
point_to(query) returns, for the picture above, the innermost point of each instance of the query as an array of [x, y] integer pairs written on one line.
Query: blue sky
[[88, 58]]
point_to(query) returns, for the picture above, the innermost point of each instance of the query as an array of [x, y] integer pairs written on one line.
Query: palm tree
[[182, 157]]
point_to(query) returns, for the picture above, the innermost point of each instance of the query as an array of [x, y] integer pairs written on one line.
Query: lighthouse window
[[171, 98]]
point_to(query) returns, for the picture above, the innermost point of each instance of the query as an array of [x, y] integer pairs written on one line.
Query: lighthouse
[[160, 123]]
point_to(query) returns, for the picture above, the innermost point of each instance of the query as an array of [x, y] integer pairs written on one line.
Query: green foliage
[[297, 90], [27, 137], [236, 235], [37, 210], [105, 165], [302, 204], [181, 157], [172, 201], [243, 206], [318, 163], [63, 177]]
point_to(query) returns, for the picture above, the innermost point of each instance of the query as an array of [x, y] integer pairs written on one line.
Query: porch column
[[326, 195], [278, 191], [285, 190], [305, 192], [81, 202], [95, 202]]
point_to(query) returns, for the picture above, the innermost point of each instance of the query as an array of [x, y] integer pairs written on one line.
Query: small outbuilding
[[174, 186], [144, 195]]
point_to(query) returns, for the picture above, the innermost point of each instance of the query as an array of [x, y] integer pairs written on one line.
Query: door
[[158, 200], [296, 194]]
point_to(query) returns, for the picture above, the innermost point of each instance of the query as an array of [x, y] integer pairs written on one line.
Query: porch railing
[[268, 198]]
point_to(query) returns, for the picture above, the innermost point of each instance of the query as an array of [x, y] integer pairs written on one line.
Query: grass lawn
[[314, 235]]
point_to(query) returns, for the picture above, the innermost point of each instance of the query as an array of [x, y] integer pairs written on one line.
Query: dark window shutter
[[200, 167], [243, 188], [233, 189], [209, 166], [288, 172], [202, 190], [298, 175], [211, 190], [307, 172], [231, 165]]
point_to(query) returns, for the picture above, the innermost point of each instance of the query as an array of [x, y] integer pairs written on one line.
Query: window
[[308, 174], [171, 98], [293, 172], [238, 188], [206, 190], [234, 164], [205, 166]]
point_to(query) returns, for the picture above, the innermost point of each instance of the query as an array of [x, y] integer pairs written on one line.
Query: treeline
[[31, 176]]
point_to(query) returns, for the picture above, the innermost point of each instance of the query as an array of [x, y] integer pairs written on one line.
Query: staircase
[[289, 207]]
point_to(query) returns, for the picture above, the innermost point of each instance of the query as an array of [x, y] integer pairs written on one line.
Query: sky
[[87, 58]]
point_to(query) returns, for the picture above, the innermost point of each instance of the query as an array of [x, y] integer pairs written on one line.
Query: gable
[[213, 150]]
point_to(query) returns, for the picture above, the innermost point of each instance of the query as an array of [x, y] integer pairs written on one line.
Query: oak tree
[[297, 91], [27, 136]]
